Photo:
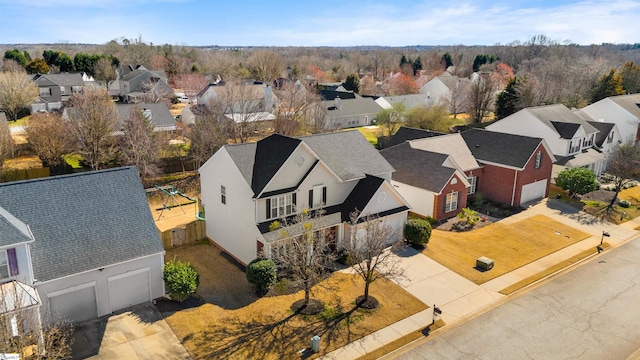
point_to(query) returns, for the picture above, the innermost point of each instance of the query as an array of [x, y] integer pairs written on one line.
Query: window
[[45, 92], [317, 196], [610, 138], [223, 194], [575, 146], [8, 263], [451, 202], [538, 160], [473, 181], [281, 206], [62, 90], [588, 142]]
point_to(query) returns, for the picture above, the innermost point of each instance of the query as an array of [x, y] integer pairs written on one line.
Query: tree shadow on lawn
[[267, 337], [573, 213]]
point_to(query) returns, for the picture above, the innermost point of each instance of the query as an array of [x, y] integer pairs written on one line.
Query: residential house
[[82, 245], [406, 133], [347, 109], [516, 169], [410, 101], [157, 113], [133, 86], [607, 140], [623, 110], [432, 183], [55, 89], [568, 134], [441, 89], [246, 187]]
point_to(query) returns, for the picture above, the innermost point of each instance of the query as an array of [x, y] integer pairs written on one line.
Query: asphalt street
[[591, 312]]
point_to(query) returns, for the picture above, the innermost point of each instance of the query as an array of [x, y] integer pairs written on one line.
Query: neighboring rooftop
[[501, 148]]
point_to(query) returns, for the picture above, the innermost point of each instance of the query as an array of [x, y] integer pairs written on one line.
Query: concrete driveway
[[140, 333]]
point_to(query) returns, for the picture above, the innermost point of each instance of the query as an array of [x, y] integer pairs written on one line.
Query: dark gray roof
[[243, 155], [160, 114], [351, 107], [12, 230], [501, 148], [566, 130], [137, 72], [348, 154], [419, 168], [360, 195], [604, 130], [271, 153], [331, 95], [83, 221], [66, 79], [408, 133]]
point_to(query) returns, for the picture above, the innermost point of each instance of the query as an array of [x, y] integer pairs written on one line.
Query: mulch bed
[[604, 196]]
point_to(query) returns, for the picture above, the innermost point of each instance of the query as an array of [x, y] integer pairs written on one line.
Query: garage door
[[128, 289], [76, 303], [534, 191]]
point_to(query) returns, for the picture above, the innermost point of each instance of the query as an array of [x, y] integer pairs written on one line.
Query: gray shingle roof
[[83, 221], [408, 133], [271, 153], [12, 230], [501, 148], [160, 114], [604, 130], [352, 107], [419, 168], [73, 79], [630, 103], [560, 114]]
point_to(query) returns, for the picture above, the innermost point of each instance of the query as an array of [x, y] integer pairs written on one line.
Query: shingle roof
[[630, 103], [137, 72], [360, 195], [160, 114], [560, 114], [83, 221], [604, 130], [449, 144], [12, 230], [72, 79], [243, 155], [566, 130], [410, 100], [501, 148], [419, 168], [271, 153], [331, 95], [351, 107], [408, 133], [348, 154]]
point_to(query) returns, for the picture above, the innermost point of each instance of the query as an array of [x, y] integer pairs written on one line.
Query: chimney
[[337, 102]]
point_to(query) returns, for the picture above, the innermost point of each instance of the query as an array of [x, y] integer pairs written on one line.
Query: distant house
[[410, 101], [347, 109], [157, 113], [441, 88], [569, 134], [623, 110], [131, 86], [406, 133], [55, 89], [81, 246], [246, 187]]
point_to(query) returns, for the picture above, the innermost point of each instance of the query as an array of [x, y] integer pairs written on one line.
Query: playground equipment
[[172, 199]]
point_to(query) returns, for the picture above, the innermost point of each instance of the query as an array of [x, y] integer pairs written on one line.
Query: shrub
[[624, 203], [417, 231], [468, 216], [181, 279], [478, 200], [262, 273]]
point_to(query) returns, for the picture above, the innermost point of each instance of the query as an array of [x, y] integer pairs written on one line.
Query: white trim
[[126, 275], [72, 289], [104, 267], [129, 273]]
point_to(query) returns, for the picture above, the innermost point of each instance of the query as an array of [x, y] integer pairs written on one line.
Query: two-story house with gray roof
[[55, 89], [347, 109], [81, 245], [623, 110], [246, 187]]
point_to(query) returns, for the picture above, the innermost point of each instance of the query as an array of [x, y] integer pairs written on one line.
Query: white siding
[[231, 225], [608, 111], [384, 199], [292, 170], [153, 262], [420, 200], [523, 123]]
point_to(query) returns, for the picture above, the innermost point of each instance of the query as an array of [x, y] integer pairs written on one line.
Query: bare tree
[[49, 137], [369, 251], [207, 135], [301, 251], [6, 143], [156, 91], [103, 70], [191, 84], [139, 145], [244, 104], [298, 109], [11, 65], [93, 119], [624, 166], [265, 65], [17, 91], [481, 93], [459, 101]]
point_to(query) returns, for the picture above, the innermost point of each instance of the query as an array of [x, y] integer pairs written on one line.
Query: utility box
[[315, 343], [484, 263]]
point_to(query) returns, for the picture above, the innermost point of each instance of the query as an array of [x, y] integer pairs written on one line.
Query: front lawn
[[233, 324], [510, 246], [597, 202]]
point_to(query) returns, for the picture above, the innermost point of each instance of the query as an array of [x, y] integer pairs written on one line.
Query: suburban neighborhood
[[322, 202]]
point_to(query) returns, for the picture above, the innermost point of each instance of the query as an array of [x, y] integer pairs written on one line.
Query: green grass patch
[[20, 122], [73, 160], [553, 269], [371, 134]]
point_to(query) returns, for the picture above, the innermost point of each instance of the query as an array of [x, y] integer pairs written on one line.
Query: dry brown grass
[[617, 214], [510, 246], [244, 327], [22, 163], [551, 270], [176, 109], [396, 344]]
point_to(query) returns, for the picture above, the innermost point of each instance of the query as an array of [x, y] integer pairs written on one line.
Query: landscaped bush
[[262, 273], [624, 203], [417, 231], [181, 279]]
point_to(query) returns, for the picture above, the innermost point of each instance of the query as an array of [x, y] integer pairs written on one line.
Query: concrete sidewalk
[[459, 298]]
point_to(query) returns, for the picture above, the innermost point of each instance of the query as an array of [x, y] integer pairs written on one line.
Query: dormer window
[[575, 146], [610, 138], [588, 142]]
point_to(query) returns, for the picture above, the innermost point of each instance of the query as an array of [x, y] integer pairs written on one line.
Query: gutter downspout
[[515, 181]]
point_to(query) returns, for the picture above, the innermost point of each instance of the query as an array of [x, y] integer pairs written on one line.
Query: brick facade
[[439, 202]]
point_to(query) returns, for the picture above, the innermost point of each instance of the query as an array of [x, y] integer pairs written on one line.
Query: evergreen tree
[[447, 59], [610, 84], [18, 56], [631, 77], [417, 65], [352, 83], [508, 100]]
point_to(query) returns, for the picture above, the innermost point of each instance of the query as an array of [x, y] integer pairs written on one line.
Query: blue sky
[[318, 23]]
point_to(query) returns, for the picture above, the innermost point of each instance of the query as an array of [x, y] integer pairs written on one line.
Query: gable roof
[[63, 79], [271, 153], [449, 144], [410, 100], [142, 70], [558, 113], [331, 95], [566, 130], [604, 131], [501, 148], [83, 221], [408, 133], [160, 115], [360, 195], [420, 168], [350, 107], [631, 103], [12, 229]]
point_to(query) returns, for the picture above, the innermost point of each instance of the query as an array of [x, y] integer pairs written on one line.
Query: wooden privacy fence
[[183, 235], [23, 174]]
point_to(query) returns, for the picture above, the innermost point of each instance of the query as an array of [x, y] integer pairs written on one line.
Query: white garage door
[[76, 303], [131, 288], [534, 191]]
